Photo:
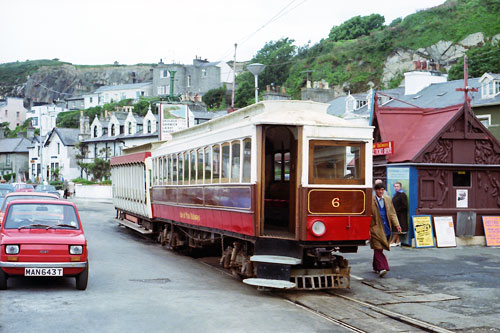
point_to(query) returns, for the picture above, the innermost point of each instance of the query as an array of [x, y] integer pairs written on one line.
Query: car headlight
[[75, 249], [12, 249], [318, 228]]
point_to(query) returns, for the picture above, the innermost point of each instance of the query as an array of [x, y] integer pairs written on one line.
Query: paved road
[[137, 286]]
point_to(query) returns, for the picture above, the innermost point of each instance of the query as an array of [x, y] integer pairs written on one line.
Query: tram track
[[294, 297]]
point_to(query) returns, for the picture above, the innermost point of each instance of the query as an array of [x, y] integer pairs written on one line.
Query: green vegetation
[[8, 133], [82, 181], [482, 59], [277, 55], [215, 99], [356, 27], [15, 73]]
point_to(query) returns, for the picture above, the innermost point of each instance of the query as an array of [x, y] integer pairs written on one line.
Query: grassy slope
[[360, 61]]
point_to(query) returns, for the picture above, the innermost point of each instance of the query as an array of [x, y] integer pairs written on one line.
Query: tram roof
[[290, 112]]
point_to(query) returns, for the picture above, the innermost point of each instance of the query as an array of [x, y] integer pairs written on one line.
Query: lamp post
[[256, 69]]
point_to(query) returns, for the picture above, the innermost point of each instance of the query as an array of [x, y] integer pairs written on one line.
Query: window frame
[[340, 181]]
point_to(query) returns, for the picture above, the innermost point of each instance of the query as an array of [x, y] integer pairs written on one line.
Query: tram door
[[279, 181]]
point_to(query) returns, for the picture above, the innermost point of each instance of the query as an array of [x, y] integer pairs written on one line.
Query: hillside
[[438, 33]]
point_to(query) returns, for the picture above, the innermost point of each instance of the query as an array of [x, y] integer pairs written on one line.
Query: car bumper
[[6, 264]]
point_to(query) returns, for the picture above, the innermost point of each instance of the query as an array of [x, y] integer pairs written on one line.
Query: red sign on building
[[383, 148]]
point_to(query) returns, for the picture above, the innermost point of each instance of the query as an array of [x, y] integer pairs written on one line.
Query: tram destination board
[[336, 202]]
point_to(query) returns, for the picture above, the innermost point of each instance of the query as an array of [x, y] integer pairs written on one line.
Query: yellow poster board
[[491, 226], [422, 226]]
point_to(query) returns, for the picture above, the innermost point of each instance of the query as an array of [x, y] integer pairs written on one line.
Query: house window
[[34, 121], [58, 148], [90, 99], [95, 131], [17, 114], [7, 158], [112, 129], [129, 128], [491, 88], [123, 96], [497, 87], [6, 113], [142, 93], [189, 80], [485, 119], [461, 178], [164, 73], [204, 72], [149, 126]]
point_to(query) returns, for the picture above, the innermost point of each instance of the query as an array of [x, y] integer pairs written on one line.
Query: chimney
[[30, 132]]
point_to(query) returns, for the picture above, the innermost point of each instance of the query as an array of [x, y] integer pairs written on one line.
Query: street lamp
[[256, 69]]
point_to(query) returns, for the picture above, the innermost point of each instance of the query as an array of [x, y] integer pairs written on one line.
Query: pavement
[[456, 288]]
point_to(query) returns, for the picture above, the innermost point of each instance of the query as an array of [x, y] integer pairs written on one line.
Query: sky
[[92, 32]]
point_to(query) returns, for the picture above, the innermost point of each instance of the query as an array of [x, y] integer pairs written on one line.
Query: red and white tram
[[281, 186]]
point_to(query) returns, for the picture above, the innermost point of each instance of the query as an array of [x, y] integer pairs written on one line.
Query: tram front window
[[336, 162]]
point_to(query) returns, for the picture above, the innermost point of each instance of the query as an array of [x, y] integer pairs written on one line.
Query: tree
[[356, 27], [215, 99], [277, 55], [481, 60], [100, 169]]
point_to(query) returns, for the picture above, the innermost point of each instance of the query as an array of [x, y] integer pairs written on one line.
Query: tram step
[[135, 226], [276, 259], [269, 283]]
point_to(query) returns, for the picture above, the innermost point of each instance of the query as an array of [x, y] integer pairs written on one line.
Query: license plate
[[43, 272]]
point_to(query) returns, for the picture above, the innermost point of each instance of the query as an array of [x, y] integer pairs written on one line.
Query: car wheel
[[82, 279], [3, 280]]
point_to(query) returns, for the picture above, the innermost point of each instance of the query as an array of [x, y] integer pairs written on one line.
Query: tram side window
[[208, 165], [186, 168], [199, 166], [247, 158], [235, 161], [192, 177], [161, 171], [216, 164], [175, 169], [155, 170], [335, 162], [169, 169], [165, 170], [225, 163]]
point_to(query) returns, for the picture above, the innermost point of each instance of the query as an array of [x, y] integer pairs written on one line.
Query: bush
[[106, 182], [82, 181], [57, 183]]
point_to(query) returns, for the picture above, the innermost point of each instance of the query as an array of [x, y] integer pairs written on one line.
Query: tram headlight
[[318, 228]]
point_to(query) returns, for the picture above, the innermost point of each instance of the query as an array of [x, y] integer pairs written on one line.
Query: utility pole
[[234, 78]]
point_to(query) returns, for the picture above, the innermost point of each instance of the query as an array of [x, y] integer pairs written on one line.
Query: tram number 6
[[336, 202]]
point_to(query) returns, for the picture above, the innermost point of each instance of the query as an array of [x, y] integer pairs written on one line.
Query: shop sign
[[383, 148]]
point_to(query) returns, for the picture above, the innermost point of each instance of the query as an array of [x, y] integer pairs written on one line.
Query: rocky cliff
[[49, 83]]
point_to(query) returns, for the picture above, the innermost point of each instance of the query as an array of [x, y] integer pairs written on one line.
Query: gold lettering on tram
[[336, 202]]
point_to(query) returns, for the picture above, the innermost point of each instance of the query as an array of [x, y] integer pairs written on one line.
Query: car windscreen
[[5, 191], [38, 215], [45, 188], [26, 186], [23, 197]]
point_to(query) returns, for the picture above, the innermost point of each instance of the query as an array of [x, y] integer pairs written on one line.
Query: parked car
[[47, 189], [43, 238], [26, 196], [21, 187], [5, 189]]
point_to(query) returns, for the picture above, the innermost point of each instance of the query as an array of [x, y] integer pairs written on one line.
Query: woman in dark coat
[[383, 218]]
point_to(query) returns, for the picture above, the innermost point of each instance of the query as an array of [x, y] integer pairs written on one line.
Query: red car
[[24, 188], [43, 238]]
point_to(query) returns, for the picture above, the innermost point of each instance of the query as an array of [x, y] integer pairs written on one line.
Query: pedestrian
[[383, 216], [400, 203]]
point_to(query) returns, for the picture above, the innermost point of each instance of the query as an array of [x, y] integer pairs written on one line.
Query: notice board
[[491, 226], [445, 232], [422, 226]]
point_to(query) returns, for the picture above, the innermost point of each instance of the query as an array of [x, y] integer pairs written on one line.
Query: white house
[[44, 117], [118, 130], [108, 94], [490, 85], [57, 155], [12, 110]]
